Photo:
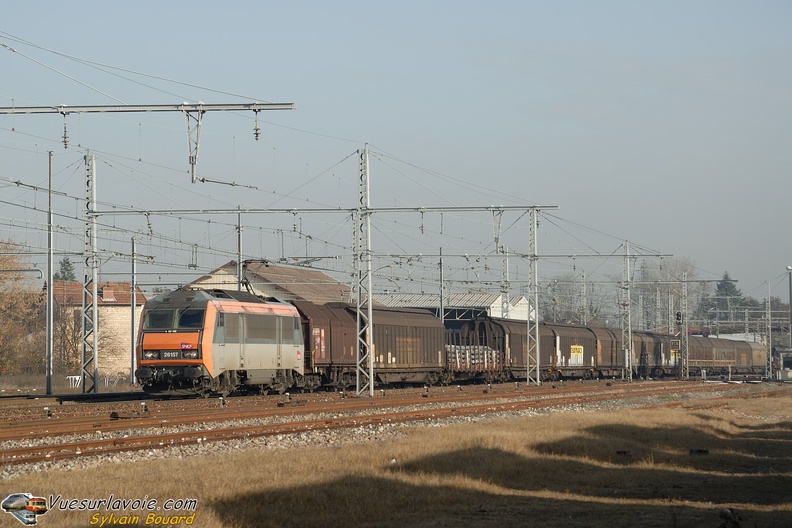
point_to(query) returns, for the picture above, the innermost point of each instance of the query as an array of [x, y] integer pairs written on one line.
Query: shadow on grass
[[609, 475], [383, 502], [581, 476], [760, 450]]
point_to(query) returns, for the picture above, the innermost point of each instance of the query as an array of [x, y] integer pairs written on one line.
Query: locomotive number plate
[[171, 354]]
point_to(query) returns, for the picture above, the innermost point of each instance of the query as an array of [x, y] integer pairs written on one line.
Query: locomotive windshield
[[158, 319], [191, 318], [169, 318]]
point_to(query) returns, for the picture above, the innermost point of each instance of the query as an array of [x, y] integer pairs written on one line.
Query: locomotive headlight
[[151, 354], [190, 354]]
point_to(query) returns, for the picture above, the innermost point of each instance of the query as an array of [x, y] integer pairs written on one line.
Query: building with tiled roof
[[68, 293], [114, 309]]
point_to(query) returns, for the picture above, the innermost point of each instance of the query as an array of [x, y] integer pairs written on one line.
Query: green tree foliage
[[66, 271], [727, 296]]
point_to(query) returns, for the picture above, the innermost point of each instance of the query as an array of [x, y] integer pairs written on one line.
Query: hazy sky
[[668, 124]]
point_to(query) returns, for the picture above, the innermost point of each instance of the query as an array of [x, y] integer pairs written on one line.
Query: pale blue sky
[[665, 123]]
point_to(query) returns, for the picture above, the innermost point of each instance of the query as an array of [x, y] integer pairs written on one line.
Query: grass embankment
[[666, 467]]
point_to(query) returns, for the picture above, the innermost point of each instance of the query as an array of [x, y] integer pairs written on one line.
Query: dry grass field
[[726, 465]]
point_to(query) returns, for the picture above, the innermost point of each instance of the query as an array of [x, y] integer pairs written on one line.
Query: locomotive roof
[[190, 295]]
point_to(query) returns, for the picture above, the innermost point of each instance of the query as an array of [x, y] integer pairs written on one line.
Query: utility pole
[[90, 312], [769, 316], [658, 308], [50, 275], [133, 315], [239, 251], [505, 301], [365, 325], [626, 314], [685, 329], [583, 299], [442, 290], [532, 348]]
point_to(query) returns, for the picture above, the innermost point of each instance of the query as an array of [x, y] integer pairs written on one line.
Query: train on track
[[215, 342], [573, 351]]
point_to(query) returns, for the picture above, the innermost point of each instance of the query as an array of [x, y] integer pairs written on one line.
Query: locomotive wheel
[[220, 386]]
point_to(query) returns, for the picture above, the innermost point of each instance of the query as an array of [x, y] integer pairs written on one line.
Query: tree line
[[656, 302]]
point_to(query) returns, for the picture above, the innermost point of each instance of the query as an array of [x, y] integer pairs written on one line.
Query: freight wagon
[[569, 351], [407, 344]]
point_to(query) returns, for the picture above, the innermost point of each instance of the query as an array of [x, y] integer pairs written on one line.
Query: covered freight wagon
[[407, 344]]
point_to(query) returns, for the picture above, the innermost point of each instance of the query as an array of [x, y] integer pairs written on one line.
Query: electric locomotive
[[214, 342]]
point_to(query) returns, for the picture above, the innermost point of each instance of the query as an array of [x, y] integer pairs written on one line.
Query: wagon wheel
[[432, 378]]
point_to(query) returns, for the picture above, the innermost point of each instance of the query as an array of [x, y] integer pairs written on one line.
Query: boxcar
[[330, 335], [407, 344], [575, 350]]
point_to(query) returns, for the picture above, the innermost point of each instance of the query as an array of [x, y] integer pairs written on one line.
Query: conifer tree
[[66, 271]]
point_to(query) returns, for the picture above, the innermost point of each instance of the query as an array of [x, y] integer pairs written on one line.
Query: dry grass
[[626, 468]]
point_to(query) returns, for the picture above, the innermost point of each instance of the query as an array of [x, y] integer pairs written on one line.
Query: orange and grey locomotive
[[214, 342]]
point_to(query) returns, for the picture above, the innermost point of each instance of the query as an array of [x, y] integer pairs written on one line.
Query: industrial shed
[[287, 283], [459, 306]]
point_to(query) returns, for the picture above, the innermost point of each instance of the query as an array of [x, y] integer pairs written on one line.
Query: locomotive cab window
[[158, 319], [191, 318]]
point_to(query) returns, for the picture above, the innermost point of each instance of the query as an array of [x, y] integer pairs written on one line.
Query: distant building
[[114, 311]]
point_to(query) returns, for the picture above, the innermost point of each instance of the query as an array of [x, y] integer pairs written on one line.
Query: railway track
[[38, 422], [74, 437]]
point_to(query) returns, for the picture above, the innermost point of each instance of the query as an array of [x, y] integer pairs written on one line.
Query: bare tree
[[22, 321]]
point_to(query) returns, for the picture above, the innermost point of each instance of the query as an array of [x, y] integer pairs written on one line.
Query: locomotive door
[[229, 353], [279, 340]]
